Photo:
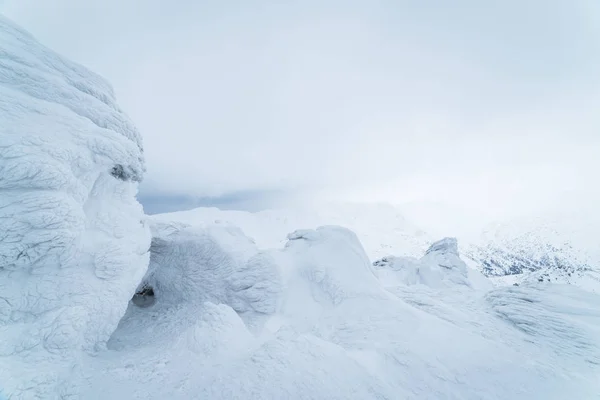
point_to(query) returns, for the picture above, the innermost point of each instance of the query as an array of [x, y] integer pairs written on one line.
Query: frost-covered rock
[[215, 263], [73, 244], [191, 267], [441, 263], [440, 267]]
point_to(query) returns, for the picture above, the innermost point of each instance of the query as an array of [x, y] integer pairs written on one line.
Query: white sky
[[491, 105]]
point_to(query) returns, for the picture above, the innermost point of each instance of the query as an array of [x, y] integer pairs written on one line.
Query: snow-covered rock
[[440, 267], [73, 241], [192, 268], [193, 264]]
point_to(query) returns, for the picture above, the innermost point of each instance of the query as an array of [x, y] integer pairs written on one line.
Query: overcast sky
[[491, 105]]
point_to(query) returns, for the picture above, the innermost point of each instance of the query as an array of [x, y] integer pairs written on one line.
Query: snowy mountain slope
[[72, 242], [557, 248], [557, 245]]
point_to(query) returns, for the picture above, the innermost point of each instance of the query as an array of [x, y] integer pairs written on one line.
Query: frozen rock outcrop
[[440, 267], [191, 265], [73, 242], [192, 268], [215, 263]]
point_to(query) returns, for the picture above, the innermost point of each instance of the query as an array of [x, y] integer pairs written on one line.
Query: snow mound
[[332, 258], [440, 267], [73, 244]]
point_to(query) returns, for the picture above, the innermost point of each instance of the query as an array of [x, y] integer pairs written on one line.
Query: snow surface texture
[[329, 328], [73, 246]]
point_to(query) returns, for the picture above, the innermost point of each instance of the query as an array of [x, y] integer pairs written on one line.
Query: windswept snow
[[232, 305], [339, 332]]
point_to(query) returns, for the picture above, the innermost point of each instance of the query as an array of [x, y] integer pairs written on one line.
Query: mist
[[486, 106]]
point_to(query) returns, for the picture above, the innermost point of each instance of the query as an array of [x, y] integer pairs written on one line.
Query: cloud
[[490, 104]]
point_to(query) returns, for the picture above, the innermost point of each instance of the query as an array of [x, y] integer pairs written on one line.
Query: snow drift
[[73, 244]]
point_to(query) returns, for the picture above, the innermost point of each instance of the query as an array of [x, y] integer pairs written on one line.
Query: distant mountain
[[559, 249], [249, 200]]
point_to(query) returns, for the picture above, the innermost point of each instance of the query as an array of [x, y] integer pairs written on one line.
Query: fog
[[484, 105]]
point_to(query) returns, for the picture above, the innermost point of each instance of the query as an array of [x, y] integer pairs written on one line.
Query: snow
[[440, 267], [73, 244], [337, 331], [556, 248], [381, 228], [98, 301]]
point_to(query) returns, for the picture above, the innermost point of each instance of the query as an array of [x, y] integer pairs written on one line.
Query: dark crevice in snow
[[144, 297], [124, 174]]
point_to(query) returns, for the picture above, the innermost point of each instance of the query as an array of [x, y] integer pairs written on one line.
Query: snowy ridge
[[380, 227], [552, 248]]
